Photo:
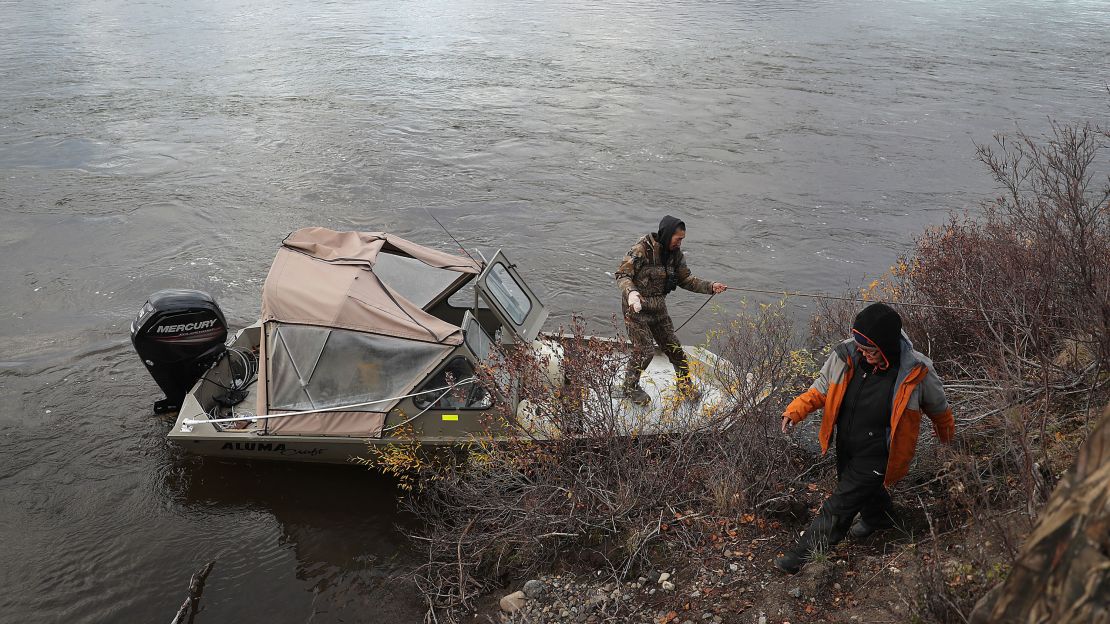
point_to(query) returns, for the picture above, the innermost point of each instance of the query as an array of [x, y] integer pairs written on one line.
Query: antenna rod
[[453, 238]]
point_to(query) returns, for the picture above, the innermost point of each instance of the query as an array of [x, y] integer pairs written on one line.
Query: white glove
[[635, 302]]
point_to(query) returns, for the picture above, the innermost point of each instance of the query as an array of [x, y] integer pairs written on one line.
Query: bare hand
[[787, 424], [719, 288], [635, 302]]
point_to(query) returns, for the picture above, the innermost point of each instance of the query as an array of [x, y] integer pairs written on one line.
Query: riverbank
[[892, 576]]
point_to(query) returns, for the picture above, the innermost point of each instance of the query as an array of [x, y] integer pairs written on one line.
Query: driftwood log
[[188, 609], [1062, 574]]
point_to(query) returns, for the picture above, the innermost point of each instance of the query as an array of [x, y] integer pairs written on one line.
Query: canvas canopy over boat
[[362, 335], [336, 333]]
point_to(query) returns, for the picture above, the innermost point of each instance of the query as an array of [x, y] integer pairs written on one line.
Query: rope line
[[934, 306], [696, 312]]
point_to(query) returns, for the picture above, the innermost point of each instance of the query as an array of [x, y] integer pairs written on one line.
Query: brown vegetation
[[588, 478]]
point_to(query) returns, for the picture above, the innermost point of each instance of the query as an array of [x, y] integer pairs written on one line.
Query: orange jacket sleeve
[[805, 404]]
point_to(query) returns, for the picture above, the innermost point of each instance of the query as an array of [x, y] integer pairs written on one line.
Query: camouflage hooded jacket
[[643, 270]]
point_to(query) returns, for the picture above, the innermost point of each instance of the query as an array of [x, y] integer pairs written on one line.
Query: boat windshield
[[508, 293], [477, 338], [511, 300]]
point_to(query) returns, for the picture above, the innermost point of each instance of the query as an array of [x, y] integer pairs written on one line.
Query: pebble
[[664, 576], [513, 602], [535, 588], [668, 586], [733, 567], [796, 592]]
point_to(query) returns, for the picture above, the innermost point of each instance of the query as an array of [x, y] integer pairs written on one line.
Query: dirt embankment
[[917, 573]]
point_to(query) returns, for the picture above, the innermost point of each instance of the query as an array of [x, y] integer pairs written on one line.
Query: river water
[[155, 144]]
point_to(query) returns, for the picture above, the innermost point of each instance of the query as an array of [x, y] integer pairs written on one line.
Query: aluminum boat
[[365, 338]]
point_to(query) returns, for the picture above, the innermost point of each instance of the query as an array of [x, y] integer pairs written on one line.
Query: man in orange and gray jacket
[[873, 389]]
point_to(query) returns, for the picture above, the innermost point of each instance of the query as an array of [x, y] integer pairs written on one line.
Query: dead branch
[[188, 610]]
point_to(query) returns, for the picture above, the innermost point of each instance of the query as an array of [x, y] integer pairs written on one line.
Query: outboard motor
[[179, 334]]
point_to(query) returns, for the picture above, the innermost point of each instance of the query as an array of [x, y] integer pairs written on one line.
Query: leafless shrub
[[585, 475], [832, 319]]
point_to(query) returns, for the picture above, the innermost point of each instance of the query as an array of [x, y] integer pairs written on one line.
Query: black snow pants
[[860, 469]]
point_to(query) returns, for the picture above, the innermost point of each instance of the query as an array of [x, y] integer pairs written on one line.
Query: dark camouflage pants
[[645, 331]]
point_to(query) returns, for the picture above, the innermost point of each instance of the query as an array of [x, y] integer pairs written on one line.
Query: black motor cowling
[[178, 334]]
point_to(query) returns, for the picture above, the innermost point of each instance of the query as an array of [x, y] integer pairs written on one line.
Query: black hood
[[667, 227], [880, 324]]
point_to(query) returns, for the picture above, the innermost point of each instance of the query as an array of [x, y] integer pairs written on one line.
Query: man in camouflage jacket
[[653, 268]]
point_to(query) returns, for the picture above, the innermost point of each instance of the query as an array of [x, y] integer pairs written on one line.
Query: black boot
[[824, 532], [791, 562], [862, 529]]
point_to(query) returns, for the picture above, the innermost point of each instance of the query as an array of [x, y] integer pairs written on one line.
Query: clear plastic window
[[464, 298], [317, 367], [463, 396], [414, 280], [508, 293], [477, 338]]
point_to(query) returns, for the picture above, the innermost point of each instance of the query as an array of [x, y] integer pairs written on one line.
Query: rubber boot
[[862, 529], [824, 532], [791, 562], [686, 390]]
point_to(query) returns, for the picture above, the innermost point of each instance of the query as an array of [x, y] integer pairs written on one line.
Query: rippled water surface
[[146, 145]]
